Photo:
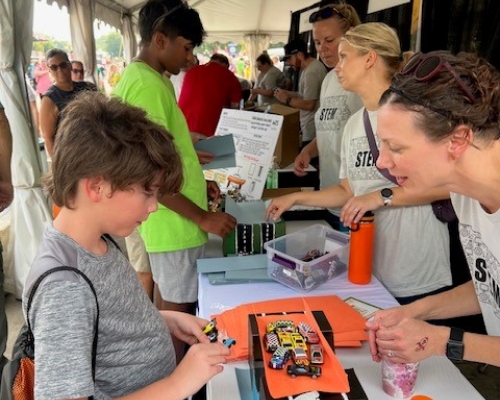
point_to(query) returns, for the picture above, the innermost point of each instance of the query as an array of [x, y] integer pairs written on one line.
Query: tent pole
[[416, 25]]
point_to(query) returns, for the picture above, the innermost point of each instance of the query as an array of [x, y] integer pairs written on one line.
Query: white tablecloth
[[438, 377]]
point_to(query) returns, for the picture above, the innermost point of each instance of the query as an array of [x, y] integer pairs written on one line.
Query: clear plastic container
[[305, 259]]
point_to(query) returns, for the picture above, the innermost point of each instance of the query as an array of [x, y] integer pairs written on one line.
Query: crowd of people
[[434, 120]]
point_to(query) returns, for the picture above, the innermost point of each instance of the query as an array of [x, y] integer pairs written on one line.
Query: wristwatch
[[455, 345], [387, 195], [288, 100]]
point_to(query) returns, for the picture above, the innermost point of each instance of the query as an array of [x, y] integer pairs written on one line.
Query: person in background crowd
[[439, 127], [58, 95], [169, 32], [411, 251], [78, 74], [336, 105], [77, 71], [312, 73], [33, 107], [270, 78], [42, 77], [178, 79], [6, 196], [113, 76], [207, 89], [240, 67]]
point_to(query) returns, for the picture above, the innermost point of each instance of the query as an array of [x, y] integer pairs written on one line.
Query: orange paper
[[333, 378], [347, 324]]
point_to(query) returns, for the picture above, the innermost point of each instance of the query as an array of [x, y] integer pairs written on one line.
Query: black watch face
[[386, 192]]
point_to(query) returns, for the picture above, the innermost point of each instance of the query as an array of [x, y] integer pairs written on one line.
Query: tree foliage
[[111, 44]]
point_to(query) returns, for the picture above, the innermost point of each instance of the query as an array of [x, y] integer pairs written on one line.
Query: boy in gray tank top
[[109, 164]]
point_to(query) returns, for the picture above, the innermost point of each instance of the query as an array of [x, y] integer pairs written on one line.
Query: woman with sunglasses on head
[[330, 23], [411, 253], [439, 126], [58, 95]]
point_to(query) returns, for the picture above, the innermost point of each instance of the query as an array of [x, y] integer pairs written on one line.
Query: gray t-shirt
[[134, 345], [310, 82], [269, 81]]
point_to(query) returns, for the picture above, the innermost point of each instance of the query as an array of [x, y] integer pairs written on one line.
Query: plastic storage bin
[[305, 259]]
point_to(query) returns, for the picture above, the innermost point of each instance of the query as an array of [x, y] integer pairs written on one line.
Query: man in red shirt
[[207, 89]]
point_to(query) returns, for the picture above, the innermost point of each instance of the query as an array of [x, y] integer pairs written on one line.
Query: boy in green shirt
[[175, 235]]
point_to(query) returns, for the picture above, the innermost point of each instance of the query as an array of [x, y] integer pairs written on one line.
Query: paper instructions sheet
[[255, 136]]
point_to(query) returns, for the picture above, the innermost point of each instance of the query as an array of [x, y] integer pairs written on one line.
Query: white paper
[[365, 309], [378, 5], [255, 136], [304, 24]]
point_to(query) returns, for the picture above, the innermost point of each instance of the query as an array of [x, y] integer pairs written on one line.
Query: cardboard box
[[272, 193], [287, 147]]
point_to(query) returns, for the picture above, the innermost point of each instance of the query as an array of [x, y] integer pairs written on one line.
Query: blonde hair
[[380, 38], [349, 13]]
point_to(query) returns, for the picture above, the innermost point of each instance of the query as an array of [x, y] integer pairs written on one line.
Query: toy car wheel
[[293, 376], [314, 376]]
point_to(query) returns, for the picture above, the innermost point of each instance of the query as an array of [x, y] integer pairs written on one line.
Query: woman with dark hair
[[58, 95], [270, 78], [439, 127]]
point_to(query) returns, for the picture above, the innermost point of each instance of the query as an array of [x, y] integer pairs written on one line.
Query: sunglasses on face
[[77, 71], [324, 13], [55, 67], [425, 68]]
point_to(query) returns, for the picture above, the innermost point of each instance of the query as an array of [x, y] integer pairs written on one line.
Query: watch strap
[[455, 345]]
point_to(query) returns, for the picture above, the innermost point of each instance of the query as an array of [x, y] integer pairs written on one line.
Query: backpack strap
[[373, 147], [30, 340]]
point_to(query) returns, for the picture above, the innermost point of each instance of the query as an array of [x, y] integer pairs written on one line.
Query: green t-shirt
[[165, 230]]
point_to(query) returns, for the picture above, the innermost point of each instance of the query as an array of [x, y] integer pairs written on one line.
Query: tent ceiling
[[224, 20]]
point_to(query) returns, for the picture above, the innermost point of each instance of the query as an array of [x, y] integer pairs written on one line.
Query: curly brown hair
[[103, 137], [440, 104]]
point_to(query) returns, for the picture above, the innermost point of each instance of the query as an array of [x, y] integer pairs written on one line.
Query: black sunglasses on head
[[324, 13], [424, 67]]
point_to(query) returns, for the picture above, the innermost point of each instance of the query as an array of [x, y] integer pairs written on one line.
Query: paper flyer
[[255, 136]]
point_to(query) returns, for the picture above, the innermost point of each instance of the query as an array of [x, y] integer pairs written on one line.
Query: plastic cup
[[398, 380]]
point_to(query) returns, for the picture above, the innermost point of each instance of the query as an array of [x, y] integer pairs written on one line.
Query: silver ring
[[390, 353], [355, 211]]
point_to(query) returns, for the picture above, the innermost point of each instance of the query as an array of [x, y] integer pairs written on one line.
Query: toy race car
[[211, 331], [228, 342], [271, 342], [316, 354], [308, 333], [279, 358], [303, 370]]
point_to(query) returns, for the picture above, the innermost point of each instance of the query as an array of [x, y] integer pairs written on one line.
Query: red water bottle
[[361, 249]]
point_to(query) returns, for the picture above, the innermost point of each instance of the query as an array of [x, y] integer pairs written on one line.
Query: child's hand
[[186, 327], [199, 365], [218, 223]]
